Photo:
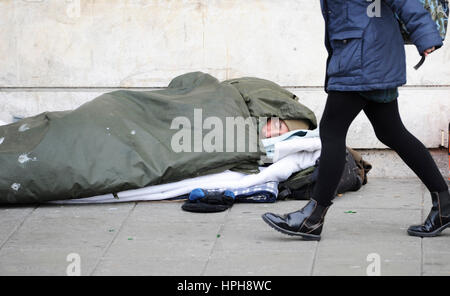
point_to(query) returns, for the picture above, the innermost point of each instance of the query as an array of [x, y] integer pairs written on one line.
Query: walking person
[[366, 64]]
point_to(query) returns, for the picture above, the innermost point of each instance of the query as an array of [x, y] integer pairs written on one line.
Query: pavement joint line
[[314, 259], [422, 214], [17, 227], [221, 227], [108, 246], [421, 256]]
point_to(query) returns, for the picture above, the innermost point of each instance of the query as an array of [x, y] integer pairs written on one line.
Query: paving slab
[[385, 193], [45, 239], [373, 222], [349, 239], [158, 238], [161, 239], [436, 255], [247, 246], [11, 218]]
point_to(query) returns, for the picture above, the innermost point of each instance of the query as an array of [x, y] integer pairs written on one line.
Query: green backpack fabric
[[438, 10], [300, 185]]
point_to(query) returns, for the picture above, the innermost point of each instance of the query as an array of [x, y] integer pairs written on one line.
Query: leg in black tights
[[340, 111], [389, 129]]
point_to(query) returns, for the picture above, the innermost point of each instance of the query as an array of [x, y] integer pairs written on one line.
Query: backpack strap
[[422, 60], [284, 194]]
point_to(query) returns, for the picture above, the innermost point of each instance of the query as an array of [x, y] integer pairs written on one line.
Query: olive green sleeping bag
[[124, 140]]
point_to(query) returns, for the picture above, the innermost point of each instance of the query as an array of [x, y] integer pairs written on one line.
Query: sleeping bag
[[126, 140]]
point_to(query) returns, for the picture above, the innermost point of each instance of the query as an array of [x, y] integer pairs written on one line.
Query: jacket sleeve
[[418, 21]]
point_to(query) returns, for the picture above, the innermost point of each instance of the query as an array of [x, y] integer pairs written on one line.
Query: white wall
[[57, 54]]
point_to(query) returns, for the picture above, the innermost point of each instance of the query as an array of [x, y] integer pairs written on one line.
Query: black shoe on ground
[[437, 220], [307, 222]]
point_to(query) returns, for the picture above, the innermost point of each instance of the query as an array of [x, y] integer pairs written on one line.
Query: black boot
[[307, 222], [438, 219]]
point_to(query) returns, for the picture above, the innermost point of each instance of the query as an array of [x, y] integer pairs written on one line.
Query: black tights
[[340, 110]]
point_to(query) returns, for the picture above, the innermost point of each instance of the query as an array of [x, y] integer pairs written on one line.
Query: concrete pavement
[[363, 229]]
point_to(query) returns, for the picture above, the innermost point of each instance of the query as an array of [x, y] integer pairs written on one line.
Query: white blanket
[[292, 155]]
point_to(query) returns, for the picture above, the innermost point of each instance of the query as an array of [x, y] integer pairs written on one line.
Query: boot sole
[[305, 236], [435, 233]]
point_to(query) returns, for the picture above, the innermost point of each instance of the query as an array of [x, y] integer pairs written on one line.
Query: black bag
[[300, 186]]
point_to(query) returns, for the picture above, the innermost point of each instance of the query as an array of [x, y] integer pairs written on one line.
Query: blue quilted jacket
[[367, 52]]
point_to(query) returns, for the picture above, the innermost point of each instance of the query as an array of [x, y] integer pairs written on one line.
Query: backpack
[[438, 10], [300, 186]]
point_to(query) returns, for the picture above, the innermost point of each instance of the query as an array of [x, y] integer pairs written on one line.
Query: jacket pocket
[[346, 58]]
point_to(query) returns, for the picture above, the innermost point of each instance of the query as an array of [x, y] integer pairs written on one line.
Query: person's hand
[[428, 51]]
